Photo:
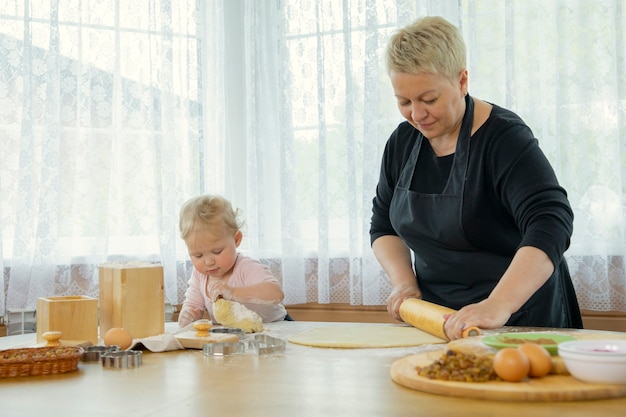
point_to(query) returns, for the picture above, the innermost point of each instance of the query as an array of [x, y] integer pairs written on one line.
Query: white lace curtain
[[112, 113]]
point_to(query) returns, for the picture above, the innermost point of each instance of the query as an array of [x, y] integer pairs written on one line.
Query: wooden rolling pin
[[428, 317]]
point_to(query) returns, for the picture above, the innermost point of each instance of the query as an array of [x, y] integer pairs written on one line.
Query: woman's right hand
[[400, 293], [395, 258]]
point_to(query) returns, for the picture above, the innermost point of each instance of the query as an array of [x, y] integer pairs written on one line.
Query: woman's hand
[[487, 314], [528, 271], [400, 293], [395, 258]]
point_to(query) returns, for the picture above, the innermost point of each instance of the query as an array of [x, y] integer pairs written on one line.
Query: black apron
[[450, 270]]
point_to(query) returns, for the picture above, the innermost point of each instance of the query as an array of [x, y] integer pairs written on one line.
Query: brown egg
[[539, 358], [511, 364], [118, 336]]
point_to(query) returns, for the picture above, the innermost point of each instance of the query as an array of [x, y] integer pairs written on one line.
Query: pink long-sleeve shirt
[[246, 271]]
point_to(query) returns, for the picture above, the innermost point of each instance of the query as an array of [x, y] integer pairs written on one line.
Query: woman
[[465, 188]]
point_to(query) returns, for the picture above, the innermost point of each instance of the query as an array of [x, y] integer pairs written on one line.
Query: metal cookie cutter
[[94, 353], [264, 344], [261, 345], [229, 330], [223, 349], [122, 359]]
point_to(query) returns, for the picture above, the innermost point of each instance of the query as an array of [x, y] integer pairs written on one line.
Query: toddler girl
[[212, 232]]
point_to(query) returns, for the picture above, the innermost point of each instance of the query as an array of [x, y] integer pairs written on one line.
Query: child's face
[[213, 254]]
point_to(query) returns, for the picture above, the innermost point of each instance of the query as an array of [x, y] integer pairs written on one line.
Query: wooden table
[[301, 381]]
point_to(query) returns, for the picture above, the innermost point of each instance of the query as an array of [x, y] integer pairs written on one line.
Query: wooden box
[[76, 317], [132, 297]]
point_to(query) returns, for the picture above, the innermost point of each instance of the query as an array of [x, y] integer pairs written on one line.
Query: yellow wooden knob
[[52, 338], [202, 328]]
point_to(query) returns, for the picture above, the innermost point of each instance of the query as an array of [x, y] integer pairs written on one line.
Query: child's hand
[[221, 288], [188, 315]]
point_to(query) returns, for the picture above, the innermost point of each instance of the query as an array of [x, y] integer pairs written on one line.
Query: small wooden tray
[[39, 361], [189, 340]]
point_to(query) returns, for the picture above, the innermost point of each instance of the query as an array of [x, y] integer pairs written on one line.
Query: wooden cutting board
[[189, 340], [553, 387]]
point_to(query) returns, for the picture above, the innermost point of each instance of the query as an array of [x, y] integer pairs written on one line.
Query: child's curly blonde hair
[[211, 213]]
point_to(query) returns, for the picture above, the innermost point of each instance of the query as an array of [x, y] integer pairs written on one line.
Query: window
[[114, 112]]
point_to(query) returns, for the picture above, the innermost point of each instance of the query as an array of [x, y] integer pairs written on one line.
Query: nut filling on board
[[460, 366]]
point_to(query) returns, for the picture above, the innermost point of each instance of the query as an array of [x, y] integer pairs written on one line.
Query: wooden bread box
[[76, 317], [132, 297]]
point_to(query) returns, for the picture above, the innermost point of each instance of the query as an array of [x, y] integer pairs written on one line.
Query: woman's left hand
[[486, 314]]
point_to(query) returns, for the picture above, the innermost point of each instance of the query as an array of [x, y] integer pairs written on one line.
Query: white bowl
[[597, 361]]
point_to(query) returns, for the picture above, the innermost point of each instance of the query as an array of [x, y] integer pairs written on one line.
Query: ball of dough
[[233, 314]]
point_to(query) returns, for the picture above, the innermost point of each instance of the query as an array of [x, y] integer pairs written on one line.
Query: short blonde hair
[[211, 213], [429, 45]]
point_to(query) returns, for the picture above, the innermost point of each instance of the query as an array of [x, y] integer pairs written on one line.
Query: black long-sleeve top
[[512, 197]]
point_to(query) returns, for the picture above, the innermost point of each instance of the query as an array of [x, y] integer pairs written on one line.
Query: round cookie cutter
[[122, 359]]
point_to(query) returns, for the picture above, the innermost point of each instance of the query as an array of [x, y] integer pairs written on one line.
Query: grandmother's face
[[431, 103]]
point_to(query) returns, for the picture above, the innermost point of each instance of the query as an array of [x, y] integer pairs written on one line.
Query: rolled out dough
[[364, 336]]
